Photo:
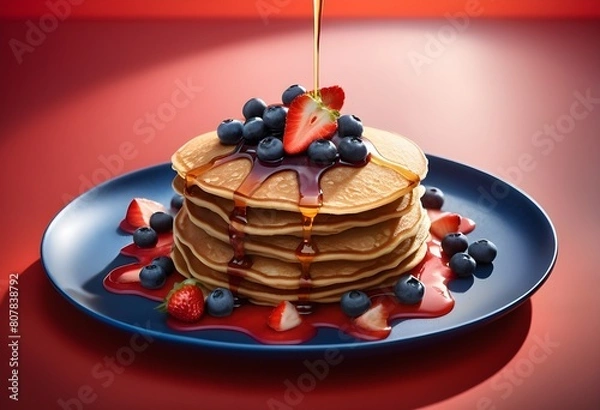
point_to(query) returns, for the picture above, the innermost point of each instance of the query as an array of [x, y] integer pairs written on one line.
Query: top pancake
[[385, 178]]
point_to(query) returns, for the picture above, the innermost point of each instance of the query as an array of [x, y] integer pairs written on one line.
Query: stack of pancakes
[[370, 226]]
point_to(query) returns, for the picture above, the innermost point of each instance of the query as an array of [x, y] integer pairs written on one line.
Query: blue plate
[[81, 245]]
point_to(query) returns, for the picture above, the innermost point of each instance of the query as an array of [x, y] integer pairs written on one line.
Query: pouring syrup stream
[[317, 17]]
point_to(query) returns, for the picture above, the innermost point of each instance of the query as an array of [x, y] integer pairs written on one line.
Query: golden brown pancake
[[346, 190], [261, 294], [273, 222], [357, 243], [283, 274]]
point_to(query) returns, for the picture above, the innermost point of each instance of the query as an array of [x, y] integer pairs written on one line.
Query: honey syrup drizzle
[[307, 249], [374, 155]]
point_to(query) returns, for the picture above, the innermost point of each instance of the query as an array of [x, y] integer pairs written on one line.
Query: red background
[[76, 98], [302, 8]]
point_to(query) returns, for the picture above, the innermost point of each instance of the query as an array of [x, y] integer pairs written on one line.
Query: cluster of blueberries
[[154, 275], [264, 126], [464, 256]]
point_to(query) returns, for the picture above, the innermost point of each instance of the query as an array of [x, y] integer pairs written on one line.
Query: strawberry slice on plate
[[284, 317], [374, 322], [447, 223], [139, 212], [312, 116]]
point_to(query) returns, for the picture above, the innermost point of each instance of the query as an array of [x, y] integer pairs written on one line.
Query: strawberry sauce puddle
[[251, 319]]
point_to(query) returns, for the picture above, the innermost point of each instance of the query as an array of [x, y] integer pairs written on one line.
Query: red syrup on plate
[[125, 278], [251, 319]]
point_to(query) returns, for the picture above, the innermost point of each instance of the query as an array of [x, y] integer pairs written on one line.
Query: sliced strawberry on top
[[139, 212], [284, 317], [332, 97], [311, 117], [447, 223], [374, 322]]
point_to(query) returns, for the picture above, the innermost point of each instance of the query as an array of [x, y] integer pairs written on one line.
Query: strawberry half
[[140, 210], [447, 223], [185, 301], [284, 317], [332, 97], [312, 116], [374, 322]]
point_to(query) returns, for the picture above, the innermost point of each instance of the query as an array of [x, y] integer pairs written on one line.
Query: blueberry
[[483, 251], [220, 302], [177, 202], [462, 264], [454, 243], [322, 151], [409, 290], [145, 237], [230, 131], [152, 277], [349, 126], [292, 92], [433, 198], [161, 222], [274, 117], [270, 149], [352, 150], [254, 107], [164, 262], [254, 130], [355, 302]]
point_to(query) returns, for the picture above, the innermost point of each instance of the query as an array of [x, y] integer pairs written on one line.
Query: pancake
[[280, 273], [352, 244], [261, 294], [272, 222], [395, 168]]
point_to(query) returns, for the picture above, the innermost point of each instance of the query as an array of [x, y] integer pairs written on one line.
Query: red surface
[[269, 9], [78, 109]]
